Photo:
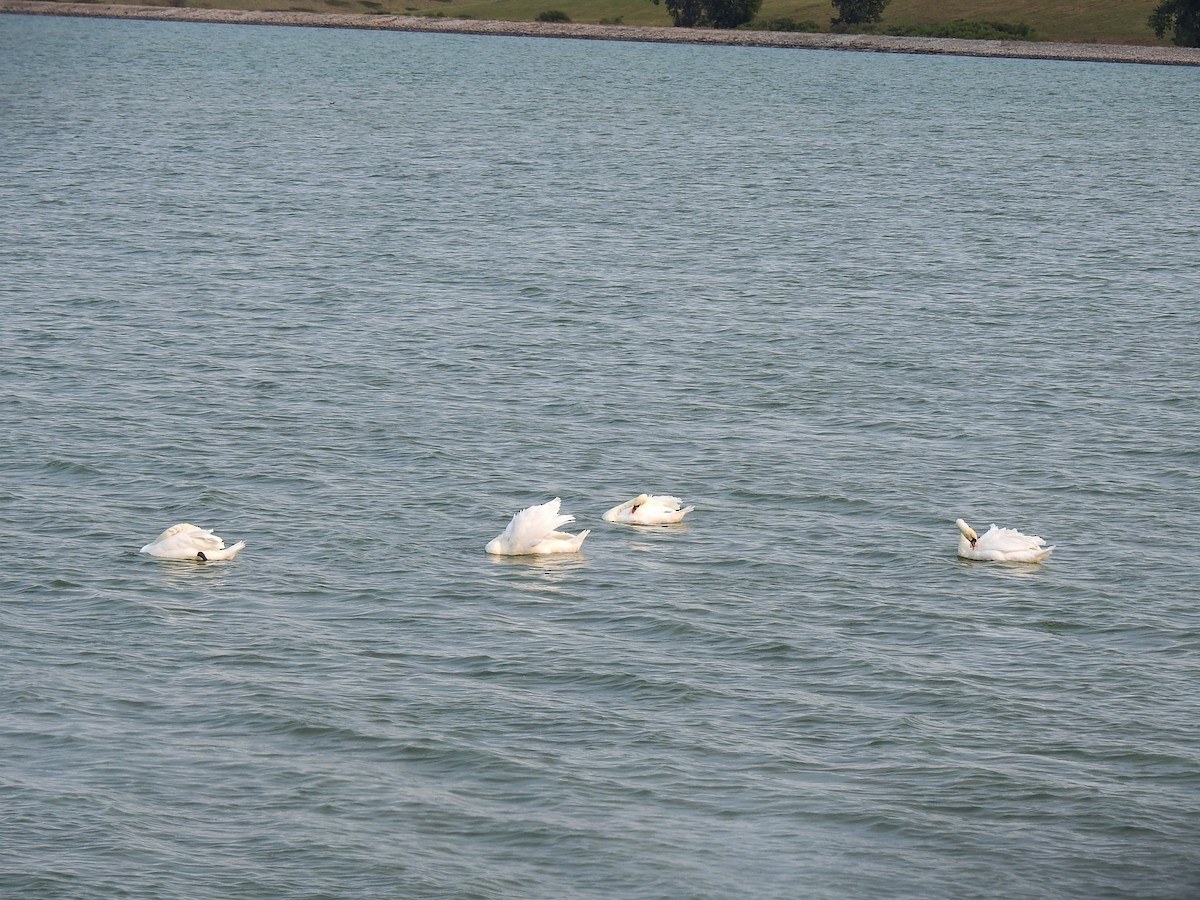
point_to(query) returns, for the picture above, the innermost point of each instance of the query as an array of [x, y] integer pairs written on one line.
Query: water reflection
[[1006, 569], [540, 574], [193, 569]]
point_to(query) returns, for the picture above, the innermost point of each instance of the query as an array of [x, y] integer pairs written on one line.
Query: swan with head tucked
[[186, 541], [648, 509], [1000, 545], [534, 532]]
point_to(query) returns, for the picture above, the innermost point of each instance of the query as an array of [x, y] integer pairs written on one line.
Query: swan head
[[967, 531], [638, 501]]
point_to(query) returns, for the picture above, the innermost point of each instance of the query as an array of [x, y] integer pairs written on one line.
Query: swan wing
[[1029, 556], [667, 510], [661, 510], [529, 527], [1008, 540], [180, 529], [663, 503]]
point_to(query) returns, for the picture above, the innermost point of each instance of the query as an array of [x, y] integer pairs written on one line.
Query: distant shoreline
[[1118, 53]]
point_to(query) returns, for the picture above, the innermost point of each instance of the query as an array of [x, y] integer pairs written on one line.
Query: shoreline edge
[[1119, 53]]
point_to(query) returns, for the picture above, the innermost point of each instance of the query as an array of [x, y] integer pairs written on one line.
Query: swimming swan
[[1000, 545], [533, 532], [186, 541], [648, 509]]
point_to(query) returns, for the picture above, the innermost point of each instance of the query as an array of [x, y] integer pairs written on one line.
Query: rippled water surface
[[356, 298]]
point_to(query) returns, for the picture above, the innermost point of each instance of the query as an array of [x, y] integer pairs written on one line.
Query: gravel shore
[[1123, 53]]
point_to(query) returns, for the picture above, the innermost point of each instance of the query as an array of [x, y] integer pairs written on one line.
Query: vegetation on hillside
[[1114, 21], [971, 31], [785, 23]]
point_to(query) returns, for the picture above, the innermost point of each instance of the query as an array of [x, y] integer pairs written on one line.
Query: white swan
[[533, 532], [648, 509], [186, 541], [1000, 545]]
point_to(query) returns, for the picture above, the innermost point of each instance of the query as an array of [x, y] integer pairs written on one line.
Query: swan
[[533, 532], [184, 541], [1000, 545], [648, 509]]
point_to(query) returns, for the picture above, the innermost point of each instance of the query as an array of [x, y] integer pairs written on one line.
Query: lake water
[[356, 298]]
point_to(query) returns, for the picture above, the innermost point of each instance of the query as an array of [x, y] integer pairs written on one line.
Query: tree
[[1180, 16], [714, 13], [732, 13], [858, 12], [684, 13]]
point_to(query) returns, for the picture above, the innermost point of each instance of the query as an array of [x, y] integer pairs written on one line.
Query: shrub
[[783, 24], [971, 31], [553, 15]]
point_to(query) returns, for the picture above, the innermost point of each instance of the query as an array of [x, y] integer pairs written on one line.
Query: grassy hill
[[1101, 21]]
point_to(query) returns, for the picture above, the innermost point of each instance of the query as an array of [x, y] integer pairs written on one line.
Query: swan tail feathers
[[673, 502], [228, 552]]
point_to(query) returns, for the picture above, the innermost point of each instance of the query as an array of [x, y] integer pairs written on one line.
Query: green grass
[[1103, 21]]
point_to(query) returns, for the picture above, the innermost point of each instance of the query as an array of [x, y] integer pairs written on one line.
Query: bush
[[971, 31], [553, 15], [784, 24]]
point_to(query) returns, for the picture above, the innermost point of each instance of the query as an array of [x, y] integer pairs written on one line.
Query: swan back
[[187, 541], [560, 542], [181, 528], [648, 509]]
